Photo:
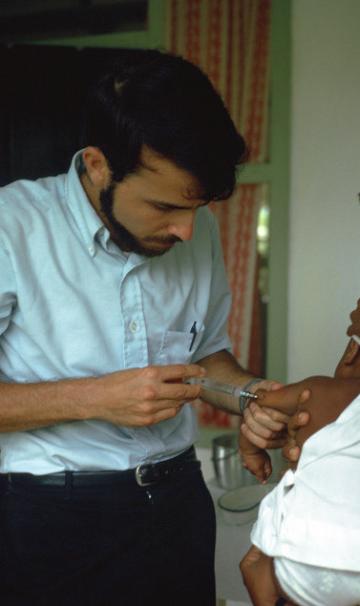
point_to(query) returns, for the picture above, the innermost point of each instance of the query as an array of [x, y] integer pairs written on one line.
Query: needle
[[232, 390]]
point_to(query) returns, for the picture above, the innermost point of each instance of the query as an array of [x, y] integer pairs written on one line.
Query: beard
[[123, 238]]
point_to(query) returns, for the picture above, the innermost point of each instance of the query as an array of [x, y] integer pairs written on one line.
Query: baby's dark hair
[[168, 104]]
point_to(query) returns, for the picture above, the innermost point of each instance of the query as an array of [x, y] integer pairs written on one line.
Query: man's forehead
[[153, 163]]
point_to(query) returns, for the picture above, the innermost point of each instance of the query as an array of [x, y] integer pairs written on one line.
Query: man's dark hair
[[168, 104]]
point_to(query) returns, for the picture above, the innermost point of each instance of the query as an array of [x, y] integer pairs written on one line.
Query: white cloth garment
[[315, 586], [312, 517], [72, 304]]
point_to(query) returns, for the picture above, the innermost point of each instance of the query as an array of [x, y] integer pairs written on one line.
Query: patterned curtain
[[229, 40]]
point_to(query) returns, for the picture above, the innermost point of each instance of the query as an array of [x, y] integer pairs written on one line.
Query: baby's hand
[[256, 460]]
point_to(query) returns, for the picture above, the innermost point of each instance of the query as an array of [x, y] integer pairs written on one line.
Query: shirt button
[[133, 326]]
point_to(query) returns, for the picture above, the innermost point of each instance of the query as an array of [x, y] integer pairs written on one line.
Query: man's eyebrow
[[172, 205]]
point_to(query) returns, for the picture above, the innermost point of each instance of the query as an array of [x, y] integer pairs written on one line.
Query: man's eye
[[164, 208]]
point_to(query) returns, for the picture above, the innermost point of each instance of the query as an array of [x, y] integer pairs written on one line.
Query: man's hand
[[266, 420], [257, 460], [144, 396], [257, 571], [263, 426]]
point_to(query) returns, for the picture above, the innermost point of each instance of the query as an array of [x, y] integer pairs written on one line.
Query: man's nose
[[184, 226]]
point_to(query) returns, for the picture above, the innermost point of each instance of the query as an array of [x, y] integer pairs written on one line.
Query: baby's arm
[[327, 398], [323, 397]]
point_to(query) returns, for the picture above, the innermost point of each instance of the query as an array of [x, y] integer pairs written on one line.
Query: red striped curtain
[[229, 40]]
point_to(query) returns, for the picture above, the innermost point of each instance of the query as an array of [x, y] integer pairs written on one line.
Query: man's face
[[152, 209]]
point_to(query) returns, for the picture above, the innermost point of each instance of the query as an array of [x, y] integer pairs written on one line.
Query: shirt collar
[[88, 222]]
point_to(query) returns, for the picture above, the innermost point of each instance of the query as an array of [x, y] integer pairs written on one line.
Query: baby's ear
[[349, 365], [351, 353]]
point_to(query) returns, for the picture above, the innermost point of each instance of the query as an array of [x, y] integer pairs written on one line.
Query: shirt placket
[[135, 341]]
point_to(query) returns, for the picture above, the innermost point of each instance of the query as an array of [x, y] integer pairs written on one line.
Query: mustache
[[163, 240]]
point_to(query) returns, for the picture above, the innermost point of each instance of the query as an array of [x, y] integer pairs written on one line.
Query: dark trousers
[[123, 546]]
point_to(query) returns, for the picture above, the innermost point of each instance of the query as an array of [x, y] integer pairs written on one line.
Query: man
[[113, 295]]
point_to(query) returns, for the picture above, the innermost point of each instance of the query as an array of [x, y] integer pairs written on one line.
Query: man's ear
[[97, 168]]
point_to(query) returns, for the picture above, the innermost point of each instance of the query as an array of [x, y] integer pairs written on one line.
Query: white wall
[[325, 180]]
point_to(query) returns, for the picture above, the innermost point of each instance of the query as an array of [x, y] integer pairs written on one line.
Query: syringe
[[231, 390]]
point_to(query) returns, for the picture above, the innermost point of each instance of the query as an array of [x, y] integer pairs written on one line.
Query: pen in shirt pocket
[[194, 332]]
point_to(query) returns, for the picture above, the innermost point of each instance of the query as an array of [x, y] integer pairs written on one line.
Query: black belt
[[144, 475]]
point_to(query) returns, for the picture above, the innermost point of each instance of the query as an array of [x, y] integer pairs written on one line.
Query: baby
[[306, 541], [331, 395]]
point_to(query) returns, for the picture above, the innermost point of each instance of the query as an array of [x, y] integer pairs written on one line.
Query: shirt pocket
[[178, 347]]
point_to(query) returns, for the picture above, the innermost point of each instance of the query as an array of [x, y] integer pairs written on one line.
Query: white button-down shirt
[[72, 304], [312, 517]]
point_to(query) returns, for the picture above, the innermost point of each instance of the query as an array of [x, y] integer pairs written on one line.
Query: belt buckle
[[139, 476]]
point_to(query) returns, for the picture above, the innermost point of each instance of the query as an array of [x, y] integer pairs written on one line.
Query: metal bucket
[[228, 468]]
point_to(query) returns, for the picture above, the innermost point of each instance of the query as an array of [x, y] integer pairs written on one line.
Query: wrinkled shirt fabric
[[72, 305]]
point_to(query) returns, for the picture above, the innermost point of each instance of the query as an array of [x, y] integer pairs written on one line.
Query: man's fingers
[[263, 421], [164, 415], [262, 442], [153, 407], [169, 383], [181, 371], [274, 416], [255, 427], [178, 391], [173, 372]]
